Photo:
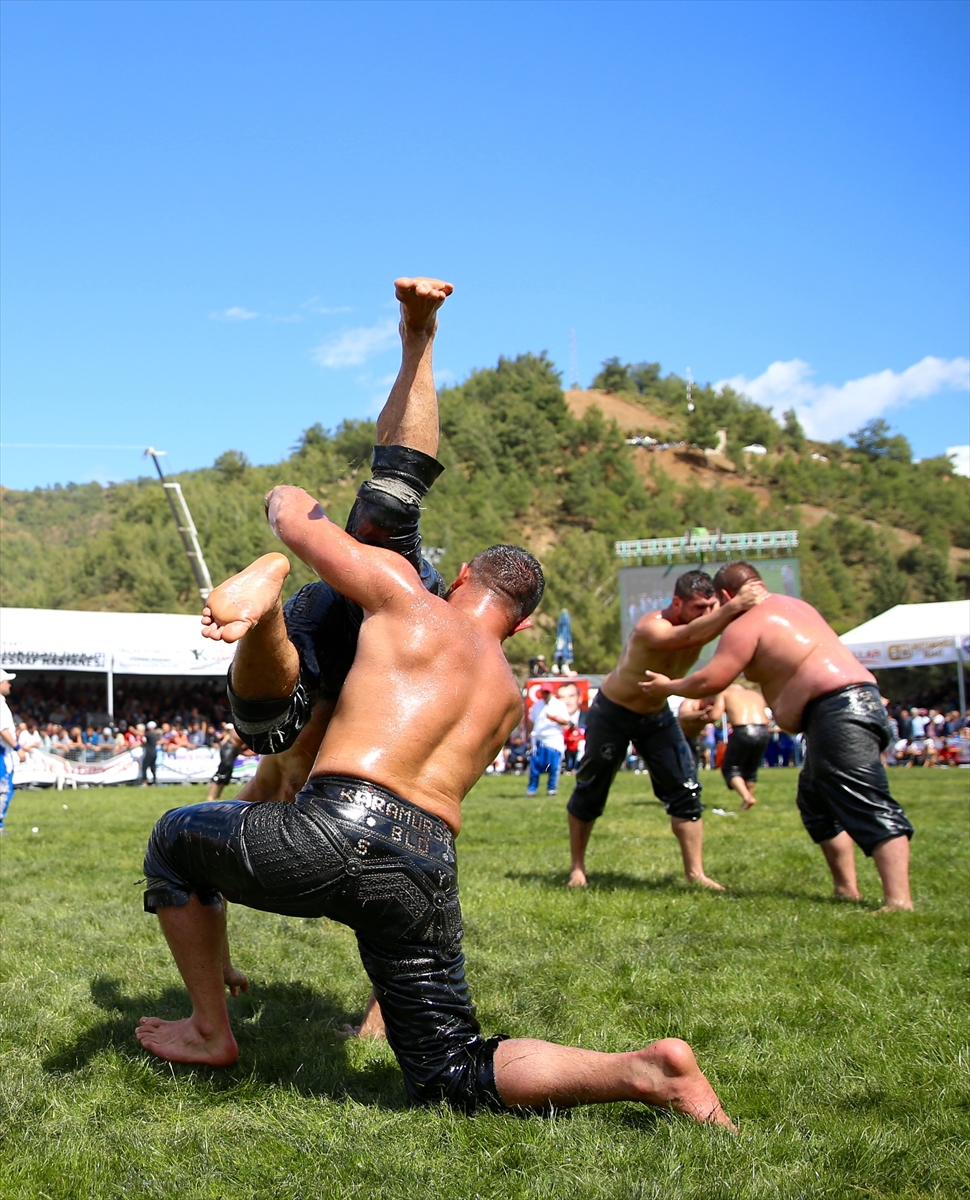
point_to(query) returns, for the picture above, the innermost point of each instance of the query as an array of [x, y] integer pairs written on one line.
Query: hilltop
[[527, 462]]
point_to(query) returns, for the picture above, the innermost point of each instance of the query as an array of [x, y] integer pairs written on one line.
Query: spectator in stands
[[518, 751]]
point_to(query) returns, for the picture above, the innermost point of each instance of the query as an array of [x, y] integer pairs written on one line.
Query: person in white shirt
[[549, 718], [8, 744]]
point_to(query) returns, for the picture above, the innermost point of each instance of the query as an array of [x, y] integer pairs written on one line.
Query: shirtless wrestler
[[667, 641], [283, 694], [813, 684], [746, 711], [369, 841]]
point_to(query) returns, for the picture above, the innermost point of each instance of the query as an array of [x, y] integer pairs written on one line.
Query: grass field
[[836, 1038]]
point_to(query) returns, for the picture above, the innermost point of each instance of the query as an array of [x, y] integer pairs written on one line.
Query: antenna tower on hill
[[690, 390]]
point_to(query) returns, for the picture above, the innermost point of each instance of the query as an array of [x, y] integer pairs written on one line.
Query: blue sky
[[204, 205]]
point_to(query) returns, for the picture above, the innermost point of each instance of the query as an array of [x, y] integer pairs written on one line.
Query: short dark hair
[[694, 583], [733, 576], [512, 572]]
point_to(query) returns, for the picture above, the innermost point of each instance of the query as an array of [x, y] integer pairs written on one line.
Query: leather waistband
[[381, 813], [853, 695]]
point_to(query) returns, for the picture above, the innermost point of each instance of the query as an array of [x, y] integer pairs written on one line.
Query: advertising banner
[[919, 652], [183, 766]]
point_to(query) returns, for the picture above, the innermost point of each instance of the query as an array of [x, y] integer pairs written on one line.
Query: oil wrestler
[[370, 840], [750, 734], [812, 683], [621, 714]]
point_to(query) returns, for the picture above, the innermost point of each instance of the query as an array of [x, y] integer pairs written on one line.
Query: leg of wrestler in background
[[892, 862], [738, 784], [839, 853], [690, 838], [579, 835]]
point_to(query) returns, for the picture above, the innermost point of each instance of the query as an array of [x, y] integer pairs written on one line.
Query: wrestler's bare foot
[[238, 605], [577, 878], [846, 894], [748, 804], [420, 300], [898, 906], [708, 882], [234, 980], [371, 1027], [186, 1042], [683, 1086]]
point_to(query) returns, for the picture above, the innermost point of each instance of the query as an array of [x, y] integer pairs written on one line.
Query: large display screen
[[646, 589]]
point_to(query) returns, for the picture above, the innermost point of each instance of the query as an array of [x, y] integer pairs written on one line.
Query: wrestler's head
[[512, 574], [731, 578], [693, 597]]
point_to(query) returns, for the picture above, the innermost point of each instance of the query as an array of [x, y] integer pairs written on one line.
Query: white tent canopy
[[117, 643], [913, 635]]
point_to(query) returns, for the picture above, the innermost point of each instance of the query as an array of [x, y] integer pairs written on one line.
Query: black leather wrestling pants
[[843, 784], [322, 624], [356, 853], [660, 742]]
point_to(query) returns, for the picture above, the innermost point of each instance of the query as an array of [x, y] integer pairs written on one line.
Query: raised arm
[[737, 648], [366, 574], [662, 635]]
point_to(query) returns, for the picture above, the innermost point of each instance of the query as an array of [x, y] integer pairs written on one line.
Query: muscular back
[[429, 701], [744, 706]]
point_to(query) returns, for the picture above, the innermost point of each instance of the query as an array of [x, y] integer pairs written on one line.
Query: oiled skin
[[670, 641], [744, 706], [429, 674], [784, 645]]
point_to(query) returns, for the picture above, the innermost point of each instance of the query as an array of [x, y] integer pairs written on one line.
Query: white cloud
[[829, 410], [234, 314], [355, 346], [961, 459]]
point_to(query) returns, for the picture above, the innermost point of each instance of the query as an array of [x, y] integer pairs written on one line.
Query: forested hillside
[[521, 467]]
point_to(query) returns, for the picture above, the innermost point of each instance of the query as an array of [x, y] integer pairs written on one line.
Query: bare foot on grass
[[235, 980], [238, 605], [682, 1086], [708, 882], [748, 804], [184, 1041], [897, 906], [371, 1027], [852, 895], [420, 300], [577, 878]]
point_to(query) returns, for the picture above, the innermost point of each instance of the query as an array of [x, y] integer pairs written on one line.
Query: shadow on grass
[[606, 881], [286, 1033], [616, 881]]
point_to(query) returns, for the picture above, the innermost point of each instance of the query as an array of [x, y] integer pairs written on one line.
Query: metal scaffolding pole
[[186, 527]]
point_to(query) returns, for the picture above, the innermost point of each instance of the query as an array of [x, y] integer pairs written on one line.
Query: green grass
[[837, 1038]]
